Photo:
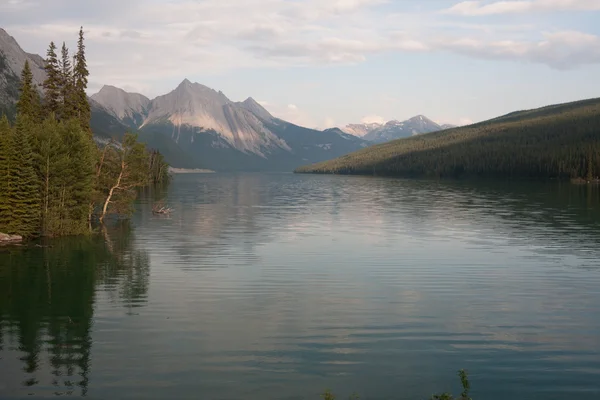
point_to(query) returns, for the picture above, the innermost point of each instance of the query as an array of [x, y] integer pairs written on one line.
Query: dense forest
[[55, 180], [561, 141]]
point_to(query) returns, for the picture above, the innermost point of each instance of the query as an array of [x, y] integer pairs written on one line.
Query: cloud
[[561, 50], [328, 123], [478, 8], [292, 107], [156, 41], [373, 119]]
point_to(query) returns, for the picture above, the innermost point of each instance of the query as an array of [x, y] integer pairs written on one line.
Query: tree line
[[55, 180], [561, 141]]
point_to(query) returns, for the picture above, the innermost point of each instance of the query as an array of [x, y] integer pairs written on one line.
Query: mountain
[[361, 130], [130, 108], [217, 133], [255, 108], [380, 133], [560, 141], [400, 129], [448, 126], [12, 60]]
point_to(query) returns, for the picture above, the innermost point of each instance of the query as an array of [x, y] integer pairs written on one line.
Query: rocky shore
[[9, 239]]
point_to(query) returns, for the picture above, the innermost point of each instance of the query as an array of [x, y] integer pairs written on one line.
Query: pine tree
[[6, 149], [51, 163], [25, 195], [29, 100], [80, 75], [66, 85], [52, 83], [78, 181]]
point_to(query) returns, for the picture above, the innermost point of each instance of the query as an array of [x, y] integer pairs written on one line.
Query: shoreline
[[190, 171]]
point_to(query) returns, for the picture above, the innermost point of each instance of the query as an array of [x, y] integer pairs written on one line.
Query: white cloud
[[373, 119], [156, 41], [292, 107], [562, 50], [464, 121], [328, 123], [476, 8]]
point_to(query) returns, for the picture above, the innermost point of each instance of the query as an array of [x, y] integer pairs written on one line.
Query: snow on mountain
[[391, 130], [361, 130]]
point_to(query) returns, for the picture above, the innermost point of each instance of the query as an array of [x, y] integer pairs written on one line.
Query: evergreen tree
[[80, 76], [6, 148], [66, 85], [50, 165], [64, 166], [22, 189], [26, 210], [52, 84], [78, 182], [29, 100]]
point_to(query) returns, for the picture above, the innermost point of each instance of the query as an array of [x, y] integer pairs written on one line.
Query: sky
[[324, 63]]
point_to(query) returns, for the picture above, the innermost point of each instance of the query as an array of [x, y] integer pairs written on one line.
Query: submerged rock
[[8, 239]]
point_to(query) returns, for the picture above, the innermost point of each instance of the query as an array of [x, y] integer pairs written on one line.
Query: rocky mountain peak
[[123, 105], [256, 108], [15, 58]]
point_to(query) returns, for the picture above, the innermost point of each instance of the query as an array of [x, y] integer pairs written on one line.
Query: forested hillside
[[559, 141]]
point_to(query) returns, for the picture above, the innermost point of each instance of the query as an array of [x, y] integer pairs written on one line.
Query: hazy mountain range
[[380, 133], [197, 127]]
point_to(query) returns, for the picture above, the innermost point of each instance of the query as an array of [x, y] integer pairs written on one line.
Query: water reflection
[[47, 297], [277, 286]]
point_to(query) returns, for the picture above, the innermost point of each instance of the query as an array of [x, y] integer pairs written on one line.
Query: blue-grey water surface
[[278, 286]]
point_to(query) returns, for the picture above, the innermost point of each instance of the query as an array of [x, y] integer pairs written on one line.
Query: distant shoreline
[[190, 171]]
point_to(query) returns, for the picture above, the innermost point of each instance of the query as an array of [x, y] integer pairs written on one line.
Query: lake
[[278, 286]]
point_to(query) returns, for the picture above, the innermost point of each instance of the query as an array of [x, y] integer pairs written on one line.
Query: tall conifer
[[52, 83], [29, 100], [80, 75], [66, 85], [6, 149], [25, 194]]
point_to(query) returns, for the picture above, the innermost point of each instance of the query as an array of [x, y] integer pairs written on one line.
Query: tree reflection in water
[[47, 299]]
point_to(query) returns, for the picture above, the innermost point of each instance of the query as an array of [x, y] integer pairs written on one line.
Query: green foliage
[[158, 168], [52, 174], [6, 148], [67, 89], [80, 75], [52, 84], [466, 386], [120, 170], [64, 159], [553, 142], [29, 100], [464, 380], [20, 202]]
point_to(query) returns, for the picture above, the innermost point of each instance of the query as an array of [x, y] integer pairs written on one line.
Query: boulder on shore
[[8, 239]]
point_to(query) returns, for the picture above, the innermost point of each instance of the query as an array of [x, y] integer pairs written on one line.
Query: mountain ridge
[[394, 129], [557, 141], [209, 127]]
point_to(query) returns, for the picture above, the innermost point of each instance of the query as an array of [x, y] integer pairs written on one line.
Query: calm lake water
[[280, 286]]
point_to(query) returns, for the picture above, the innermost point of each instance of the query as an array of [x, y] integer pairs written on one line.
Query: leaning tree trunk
[[112, 192]]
